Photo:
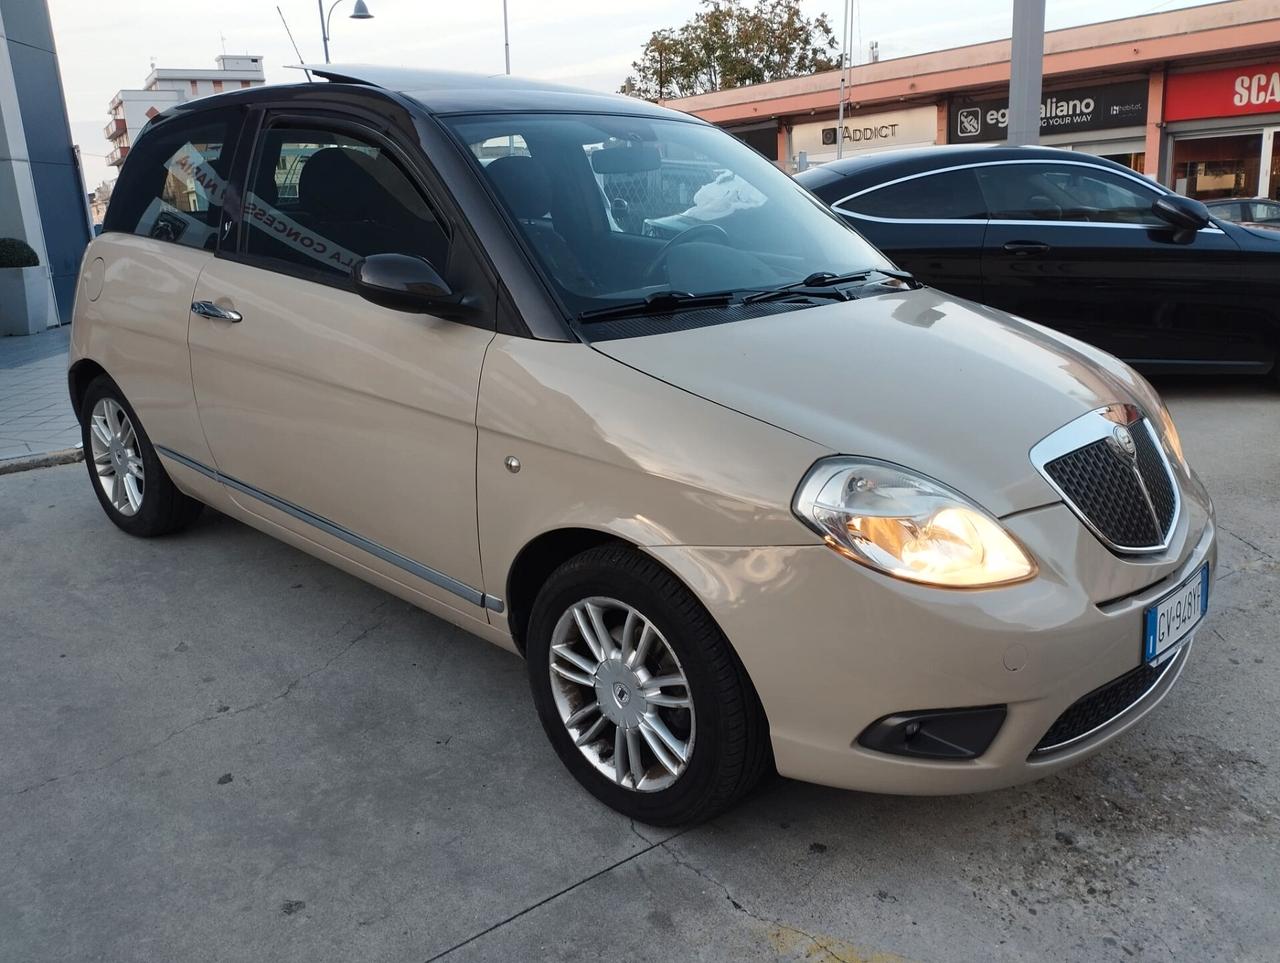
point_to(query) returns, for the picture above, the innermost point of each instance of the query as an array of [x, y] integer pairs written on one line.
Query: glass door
[[1269, 176]]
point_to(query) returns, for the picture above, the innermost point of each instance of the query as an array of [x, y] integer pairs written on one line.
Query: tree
[[730, 44]]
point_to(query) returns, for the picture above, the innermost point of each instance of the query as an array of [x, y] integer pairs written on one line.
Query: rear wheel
[[639, 691], [131, 484]]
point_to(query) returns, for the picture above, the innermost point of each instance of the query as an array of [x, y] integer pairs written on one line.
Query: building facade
[[130, 110], [1189, 97], [42, 197]]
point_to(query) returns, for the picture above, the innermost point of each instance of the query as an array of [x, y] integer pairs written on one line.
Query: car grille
[[1107, 490], [1102, 705]]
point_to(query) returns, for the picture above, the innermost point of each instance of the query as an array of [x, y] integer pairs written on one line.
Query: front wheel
[[639, 691]]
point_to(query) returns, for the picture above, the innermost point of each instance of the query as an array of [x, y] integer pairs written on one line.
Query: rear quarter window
[[174, 180], [946, 195]]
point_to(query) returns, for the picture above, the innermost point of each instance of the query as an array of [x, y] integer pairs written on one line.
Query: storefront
[[1103, 119], [815, 142], [1222, 127]]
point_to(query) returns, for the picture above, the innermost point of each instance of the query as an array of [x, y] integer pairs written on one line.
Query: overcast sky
[[104, 46]]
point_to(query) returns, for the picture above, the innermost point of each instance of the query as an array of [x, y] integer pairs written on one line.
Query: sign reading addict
[[1061, 112]]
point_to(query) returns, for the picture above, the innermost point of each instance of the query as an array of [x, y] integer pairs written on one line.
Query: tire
[[159, 507], [724, 732]]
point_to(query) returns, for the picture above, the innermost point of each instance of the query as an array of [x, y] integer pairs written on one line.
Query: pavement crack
[[819, 944], [213, 717], [1257, 548]]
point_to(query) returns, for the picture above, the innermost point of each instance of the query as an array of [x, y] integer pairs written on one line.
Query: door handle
[[1023, 248], [207, 309]]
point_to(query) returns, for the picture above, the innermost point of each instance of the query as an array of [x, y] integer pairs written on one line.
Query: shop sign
[[1099, 107], [1229, 92], [891, 128]]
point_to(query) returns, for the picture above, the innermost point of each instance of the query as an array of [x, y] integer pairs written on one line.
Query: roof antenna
[[294, 42]]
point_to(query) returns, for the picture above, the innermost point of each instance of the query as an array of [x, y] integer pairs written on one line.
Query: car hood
[[952, 389]]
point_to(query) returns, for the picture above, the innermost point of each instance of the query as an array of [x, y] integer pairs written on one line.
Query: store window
[[1136, 161], [1212, 167]]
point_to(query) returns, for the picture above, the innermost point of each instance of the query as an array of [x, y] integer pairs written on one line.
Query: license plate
[[1171, 620]]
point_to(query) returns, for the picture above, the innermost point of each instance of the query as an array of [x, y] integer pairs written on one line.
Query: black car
[[1261, 211], [1074, 242]]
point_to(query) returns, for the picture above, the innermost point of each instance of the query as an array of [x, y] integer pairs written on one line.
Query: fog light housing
[[935, 733]]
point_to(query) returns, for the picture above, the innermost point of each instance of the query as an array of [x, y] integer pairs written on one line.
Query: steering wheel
[[709, 232]]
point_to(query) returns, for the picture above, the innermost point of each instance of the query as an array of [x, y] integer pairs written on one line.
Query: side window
[[949, 195], [1266, 212], [1064, 192], [1230, 212], [172, 184], [322, 200]]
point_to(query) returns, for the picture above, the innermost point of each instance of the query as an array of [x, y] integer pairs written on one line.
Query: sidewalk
[[35, 411]]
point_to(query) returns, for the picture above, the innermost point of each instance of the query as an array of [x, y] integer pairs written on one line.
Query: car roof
[[883, 165], [447, 92], [1240, 200]]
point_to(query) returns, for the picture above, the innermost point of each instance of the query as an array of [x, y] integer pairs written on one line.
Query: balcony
[[117, 156], [115, 128]]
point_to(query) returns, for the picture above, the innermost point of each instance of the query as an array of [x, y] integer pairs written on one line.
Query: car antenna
[[292, 41]]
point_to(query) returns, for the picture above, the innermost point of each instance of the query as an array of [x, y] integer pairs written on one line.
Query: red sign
[[1229, 92]]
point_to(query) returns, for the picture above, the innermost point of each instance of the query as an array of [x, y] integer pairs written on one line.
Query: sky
[[104, 47]]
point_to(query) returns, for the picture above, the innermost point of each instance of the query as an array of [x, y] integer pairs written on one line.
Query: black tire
[[163, 509], [731, 749]]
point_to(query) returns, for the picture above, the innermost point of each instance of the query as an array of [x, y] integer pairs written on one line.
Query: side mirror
[[406, 283], [1184, 213]]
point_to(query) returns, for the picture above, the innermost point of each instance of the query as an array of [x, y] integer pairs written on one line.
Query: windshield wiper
[[660, 302], [826, 279]]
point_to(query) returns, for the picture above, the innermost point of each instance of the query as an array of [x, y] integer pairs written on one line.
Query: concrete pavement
[[35, 411], [217, 748]]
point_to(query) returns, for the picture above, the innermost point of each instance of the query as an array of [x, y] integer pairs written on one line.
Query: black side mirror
[[1184, 213], [406, 283]]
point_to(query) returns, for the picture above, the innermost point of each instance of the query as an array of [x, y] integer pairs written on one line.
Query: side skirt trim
[[424, 572]]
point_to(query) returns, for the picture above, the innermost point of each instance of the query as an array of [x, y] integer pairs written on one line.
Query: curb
[[67, 456]]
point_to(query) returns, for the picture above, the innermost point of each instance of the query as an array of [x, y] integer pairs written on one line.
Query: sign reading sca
[[1061, 112], [1229, 92]]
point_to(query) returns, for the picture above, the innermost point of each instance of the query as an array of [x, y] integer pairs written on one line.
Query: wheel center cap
[[620, 693]]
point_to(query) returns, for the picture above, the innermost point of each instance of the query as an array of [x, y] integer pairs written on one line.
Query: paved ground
[[35, 412], [216, 748]]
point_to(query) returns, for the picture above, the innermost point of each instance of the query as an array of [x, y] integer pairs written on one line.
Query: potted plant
[[24, 289]]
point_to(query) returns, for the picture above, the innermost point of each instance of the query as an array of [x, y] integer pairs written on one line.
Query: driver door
[[1076, 247], [348, 423]]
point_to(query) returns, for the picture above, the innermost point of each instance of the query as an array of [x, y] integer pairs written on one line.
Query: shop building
[[1189, 97]]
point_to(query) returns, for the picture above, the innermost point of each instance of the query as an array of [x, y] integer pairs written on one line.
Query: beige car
[[598, 383]]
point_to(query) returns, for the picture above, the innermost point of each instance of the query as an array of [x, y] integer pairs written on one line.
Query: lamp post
[[361, 12], [506, 37]]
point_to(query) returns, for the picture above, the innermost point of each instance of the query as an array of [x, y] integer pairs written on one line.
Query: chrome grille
[[1125, 493]]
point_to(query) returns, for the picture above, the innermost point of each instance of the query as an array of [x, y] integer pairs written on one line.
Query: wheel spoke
[[588, 635], [670, 701], [102, 458], [572, 676], [662, 681], [127, 437], [602, 634], [654, 722], [628, 641], [131, 491], [118, 496], [593, 733], [633, 754], [581, 714], [619, 755], [100, 428], [566, 653], [665, 759], [642, 647]]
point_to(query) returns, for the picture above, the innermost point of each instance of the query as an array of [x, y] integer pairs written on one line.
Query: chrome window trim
[[1094, 426], [1170, 661], [1136, 178], [424, 572]]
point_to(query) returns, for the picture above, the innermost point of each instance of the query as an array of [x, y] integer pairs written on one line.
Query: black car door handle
[[207, 309], [1023, 248]]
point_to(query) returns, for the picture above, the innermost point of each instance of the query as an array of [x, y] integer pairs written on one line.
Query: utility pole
[[844, 73], [506, 37], [1026, 71]]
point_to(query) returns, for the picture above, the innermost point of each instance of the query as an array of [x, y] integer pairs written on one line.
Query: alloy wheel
[[622, 694], [117, 456]]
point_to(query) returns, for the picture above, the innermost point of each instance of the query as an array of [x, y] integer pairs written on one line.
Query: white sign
[[911, 127]]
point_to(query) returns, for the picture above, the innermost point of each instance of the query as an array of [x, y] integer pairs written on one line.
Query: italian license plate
[[1171, 620]]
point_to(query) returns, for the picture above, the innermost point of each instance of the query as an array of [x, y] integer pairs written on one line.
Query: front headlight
[[907, 525], [1170, 435]]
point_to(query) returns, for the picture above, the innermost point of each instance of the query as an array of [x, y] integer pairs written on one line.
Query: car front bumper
[[832, 646]]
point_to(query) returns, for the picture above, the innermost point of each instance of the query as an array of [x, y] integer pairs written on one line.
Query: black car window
[[1064, 192], [1266, 212], [322, 200], [173, 181], [1230, 212], [947, 195]]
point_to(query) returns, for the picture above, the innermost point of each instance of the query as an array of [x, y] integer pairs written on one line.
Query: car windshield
[[617, 209]]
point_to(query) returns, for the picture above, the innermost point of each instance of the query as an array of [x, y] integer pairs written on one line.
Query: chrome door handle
[[1026, 247], [207, 309]]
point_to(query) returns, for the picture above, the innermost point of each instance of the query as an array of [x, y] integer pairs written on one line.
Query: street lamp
[[361, 12]]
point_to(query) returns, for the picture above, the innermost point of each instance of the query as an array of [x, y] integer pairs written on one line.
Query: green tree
[[729, 43]]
